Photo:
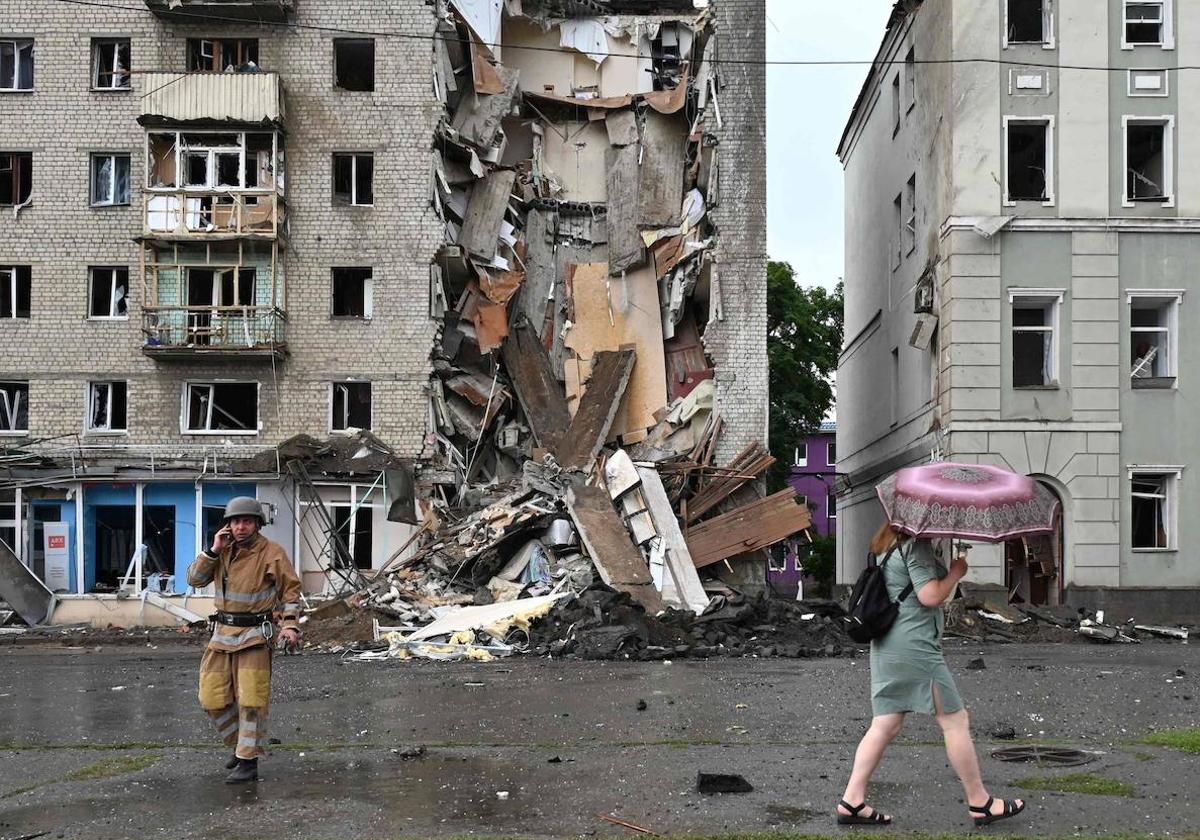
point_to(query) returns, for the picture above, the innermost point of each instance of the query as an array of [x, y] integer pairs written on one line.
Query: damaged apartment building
[[360, 260]]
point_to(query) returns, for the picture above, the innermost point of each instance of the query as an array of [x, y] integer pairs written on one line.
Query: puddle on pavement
[[436, 789], [784, 815]]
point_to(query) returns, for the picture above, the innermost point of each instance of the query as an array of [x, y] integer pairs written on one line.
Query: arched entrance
[[1033, 566]]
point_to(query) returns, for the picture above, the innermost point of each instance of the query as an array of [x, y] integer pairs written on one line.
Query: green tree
[[804, 338]]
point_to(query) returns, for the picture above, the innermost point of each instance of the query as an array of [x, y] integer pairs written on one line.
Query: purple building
[[814, 469]]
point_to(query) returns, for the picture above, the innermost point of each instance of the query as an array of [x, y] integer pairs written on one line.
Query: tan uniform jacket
[[254, 579]]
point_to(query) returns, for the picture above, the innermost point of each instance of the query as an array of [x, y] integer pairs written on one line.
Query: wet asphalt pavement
[[566, 742]]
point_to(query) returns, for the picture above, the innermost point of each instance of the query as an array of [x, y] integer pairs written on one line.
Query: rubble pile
[[979, 618], [602, 623]]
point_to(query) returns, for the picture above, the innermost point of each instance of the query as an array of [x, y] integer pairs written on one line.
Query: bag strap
[[908, 590]]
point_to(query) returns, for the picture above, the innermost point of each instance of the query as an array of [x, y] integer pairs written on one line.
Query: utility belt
[[244, 620]]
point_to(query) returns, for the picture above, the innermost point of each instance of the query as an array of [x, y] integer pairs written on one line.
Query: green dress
[[908, 663]]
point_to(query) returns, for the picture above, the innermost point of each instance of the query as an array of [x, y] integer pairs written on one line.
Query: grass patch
[[1089, 783], [1184, 740], [111, 767]]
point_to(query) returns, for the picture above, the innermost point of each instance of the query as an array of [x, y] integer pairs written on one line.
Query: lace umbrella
[[968, 501]]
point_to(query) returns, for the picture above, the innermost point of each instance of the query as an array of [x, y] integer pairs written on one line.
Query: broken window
[[16, 64], [215, 55], [110, 180], [800, 457], [355, 527], [161, 164], [910, 218], [1152, 324], [669, 51], [1146, 23], [229, 407], [1148, 164], [352, 292], [15, 291], [350, 406], [14, 407], [831, 454], [106, 408], [108, 295], [1034, 319], [353, 178], [212, 160], [354, 63], [222, 287], [16, 178], [897, 225], [110, 64], [1152, 511], [1028, 160], [1028, 21]]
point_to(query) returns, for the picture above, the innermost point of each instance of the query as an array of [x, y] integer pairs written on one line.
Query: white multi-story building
[[1023, 204]]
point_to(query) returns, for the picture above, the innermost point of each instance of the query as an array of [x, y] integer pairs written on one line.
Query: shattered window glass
[[109, 292], [1027, 157], [351, 406], [1026, 21], [352, 292], [1149, 511], [14, 406], [110, 64], [230, 407], [354, 63], [110, 180], [1146, 163], [16, 178], [107, 406], [16, 64]]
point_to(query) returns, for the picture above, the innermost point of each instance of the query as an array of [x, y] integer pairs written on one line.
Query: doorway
[[1034, 565]]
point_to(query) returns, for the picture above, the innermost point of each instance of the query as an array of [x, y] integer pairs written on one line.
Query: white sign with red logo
[[57, 543]]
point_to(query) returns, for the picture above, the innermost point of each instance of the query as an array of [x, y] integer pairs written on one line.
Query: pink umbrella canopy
[[969, 501]]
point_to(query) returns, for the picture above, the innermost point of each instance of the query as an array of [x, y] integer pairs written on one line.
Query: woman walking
[[909, 674]]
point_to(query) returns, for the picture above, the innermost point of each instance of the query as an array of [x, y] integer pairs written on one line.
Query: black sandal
[[1011, 809], [853, 818]]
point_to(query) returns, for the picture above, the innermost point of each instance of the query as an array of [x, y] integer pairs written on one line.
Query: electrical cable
[[210, 18]]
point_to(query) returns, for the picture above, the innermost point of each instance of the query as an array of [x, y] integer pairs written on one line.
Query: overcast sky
[[807, 108]]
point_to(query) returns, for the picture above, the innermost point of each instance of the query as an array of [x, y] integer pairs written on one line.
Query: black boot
[[246, 771], [232, 762]]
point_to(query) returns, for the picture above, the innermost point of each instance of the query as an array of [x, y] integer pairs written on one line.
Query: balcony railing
[[189, 332], [192, 214], [211, 98], [184, 11]]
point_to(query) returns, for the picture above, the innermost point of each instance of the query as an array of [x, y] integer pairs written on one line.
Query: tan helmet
[[244, 506]]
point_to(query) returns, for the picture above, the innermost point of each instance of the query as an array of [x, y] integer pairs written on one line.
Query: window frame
[[910, 79], [798, 461], [1173, 299], [348, 429], [1051, 167], [1171, 475], [353, 202], [897, 105], [831, 511], [3, 398], [1167, 121], [97, 44], [185, 406], [1049, 36], [368, 293], [192, 49], [14, 278], [14, 157], [1167, 33], [94, 160], [89, 386], [831, 453], [16, 47], [112, 291], [1053, 299], [909, 224]]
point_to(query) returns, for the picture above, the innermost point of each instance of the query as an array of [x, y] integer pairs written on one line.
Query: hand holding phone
[[221, 539]]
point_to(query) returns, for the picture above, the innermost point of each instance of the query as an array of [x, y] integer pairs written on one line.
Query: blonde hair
[[885, 538]]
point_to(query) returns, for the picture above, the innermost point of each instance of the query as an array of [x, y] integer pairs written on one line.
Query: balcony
[[197, 333], [211, 216], [201, 11], [207, 99]]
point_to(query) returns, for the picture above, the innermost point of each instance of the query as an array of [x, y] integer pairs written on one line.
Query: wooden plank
[[598, 408], [752, 462], [678, 558], [480, 233], [613, 553], [757, 525], [540, 394]]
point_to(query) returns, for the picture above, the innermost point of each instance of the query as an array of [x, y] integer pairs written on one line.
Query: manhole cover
[[1045, 756]]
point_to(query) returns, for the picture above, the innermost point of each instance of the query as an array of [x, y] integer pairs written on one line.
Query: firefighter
[[254, 581]]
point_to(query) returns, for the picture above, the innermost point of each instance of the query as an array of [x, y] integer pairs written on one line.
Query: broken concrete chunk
[[478, 118], [622, 127], [480, 234]]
